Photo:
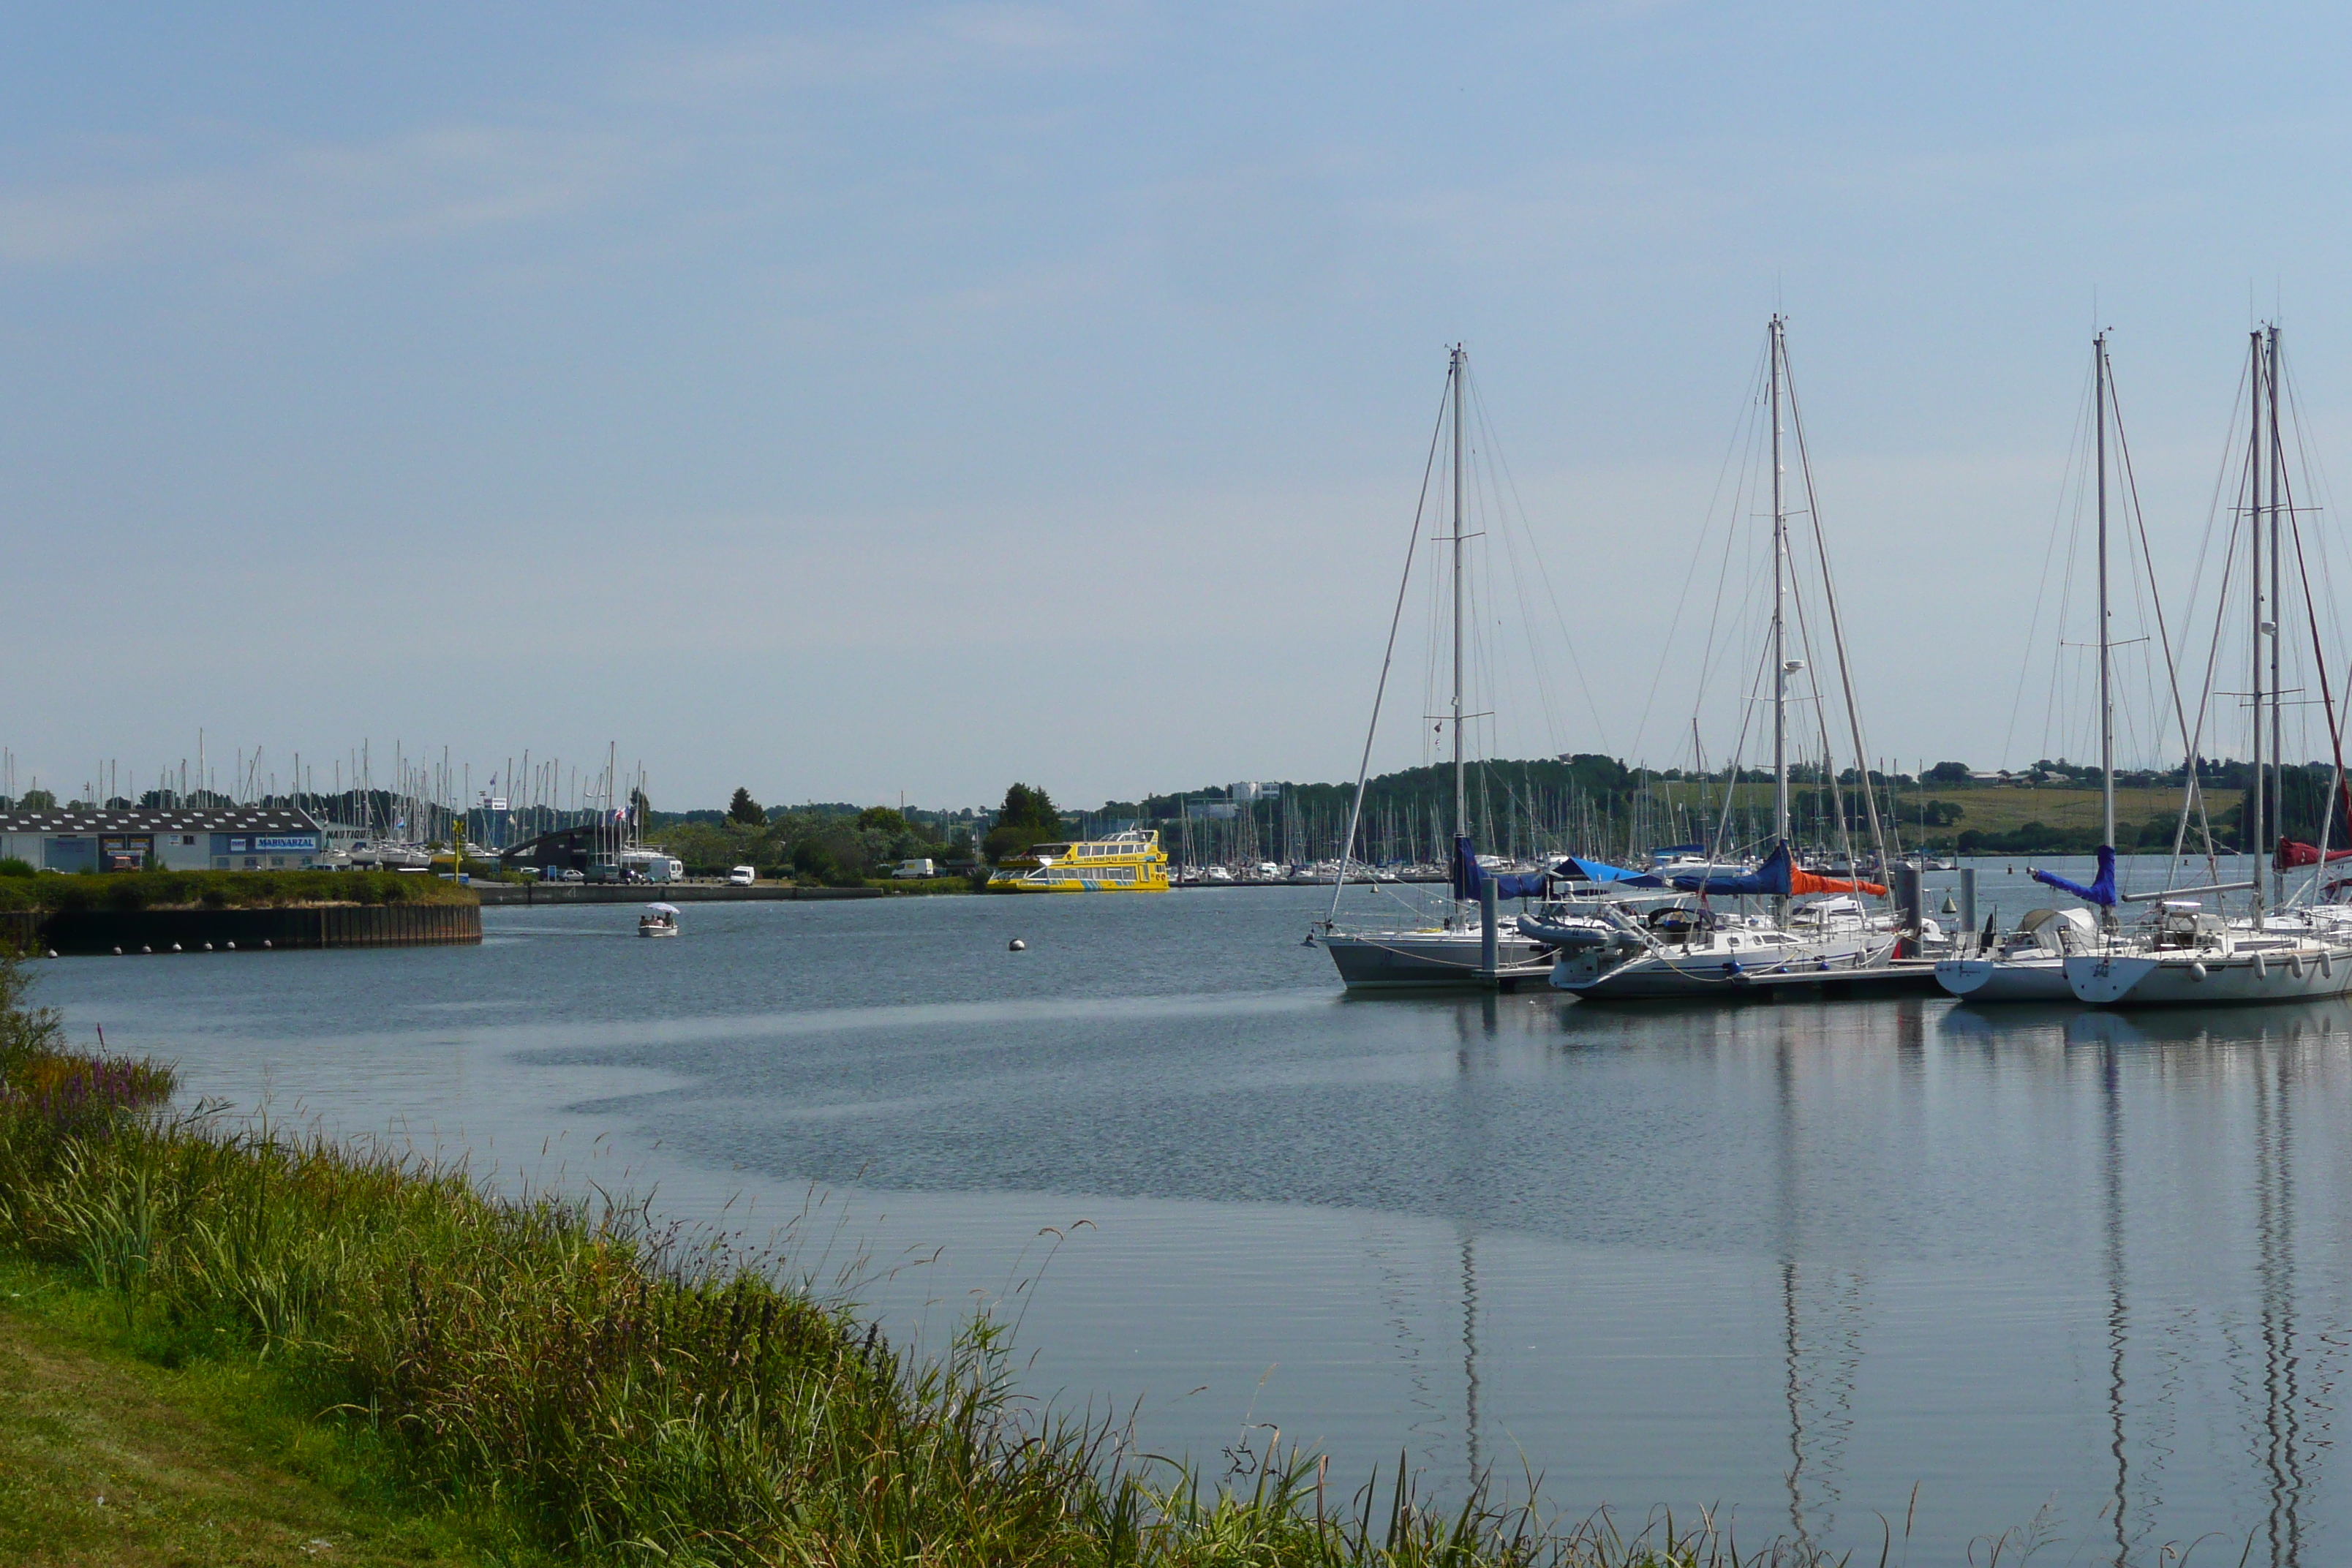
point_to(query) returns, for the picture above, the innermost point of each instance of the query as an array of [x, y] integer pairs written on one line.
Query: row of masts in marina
[[413, 801], [1520, 819]]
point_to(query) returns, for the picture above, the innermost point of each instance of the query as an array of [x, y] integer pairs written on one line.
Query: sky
[[850, 402]]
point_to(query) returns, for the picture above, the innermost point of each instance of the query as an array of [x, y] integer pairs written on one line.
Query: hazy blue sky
[[738, 383]]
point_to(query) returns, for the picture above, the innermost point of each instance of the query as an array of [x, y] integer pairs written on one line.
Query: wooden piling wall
[[334, 925]]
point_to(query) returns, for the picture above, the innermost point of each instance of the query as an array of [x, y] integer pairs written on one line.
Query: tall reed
[[625, 1397]]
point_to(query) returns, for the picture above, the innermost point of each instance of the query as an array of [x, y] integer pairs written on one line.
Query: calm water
[[2077, 1268]]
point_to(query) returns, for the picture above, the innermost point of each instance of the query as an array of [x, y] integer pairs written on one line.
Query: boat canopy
[[662, 909], [1601, 871], [2101, 890]]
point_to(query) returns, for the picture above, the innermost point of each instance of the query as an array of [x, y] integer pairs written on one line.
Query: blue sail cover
[[1469, 876], [1601, 871], [2101, 890], [1773, 877]]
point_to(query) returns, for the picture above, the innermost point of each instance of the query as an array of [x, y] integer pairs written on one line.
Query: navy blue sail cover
[[2101, 890], [1772, 878], [1469, 876]]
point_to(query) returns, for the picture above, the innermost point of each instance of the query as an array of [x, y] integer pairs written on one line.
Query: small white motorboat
[[659, 920]]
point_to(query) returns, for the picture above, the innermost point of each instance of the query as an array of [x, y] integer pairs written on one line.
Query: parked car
[[742, 876]]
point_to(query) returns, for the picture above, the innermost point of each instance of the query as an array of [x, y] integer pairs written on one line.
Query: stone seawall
[[87, 931]]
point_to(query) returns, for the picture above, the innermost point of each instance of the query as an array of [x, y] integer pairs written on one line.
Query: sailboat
[[2191, 955], [2030, 963], [1473, 944], [1688, 951]]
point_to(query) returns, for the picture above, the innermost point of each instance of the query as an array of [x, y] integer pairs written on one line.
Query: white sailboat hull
[[2301, 974], [1713, 970], [2037, 979]]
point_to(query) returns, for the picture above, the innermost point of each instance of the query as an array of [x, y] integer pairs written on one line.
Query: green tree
[[744, 810], [1027, 816], [881, 819], [1948, 773], [38, 800]]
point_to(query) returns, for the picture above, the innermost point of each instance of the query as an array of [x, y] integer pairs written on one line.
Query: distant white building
[[198, 838], [1251, 792]]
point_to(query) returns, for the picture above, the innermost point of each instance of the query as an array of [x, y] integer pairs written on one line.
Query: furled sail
[[2101, 890], [1779, 877], [2293, 853]]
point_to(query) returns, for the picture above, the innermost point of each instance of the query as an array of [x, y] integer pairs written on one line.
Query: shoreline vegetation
[[541, 1378], [1585, 803], [124, 891]]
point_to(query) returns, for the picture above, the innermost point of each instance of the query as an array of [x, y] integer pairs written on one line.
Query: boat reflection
[[2263, 1060]]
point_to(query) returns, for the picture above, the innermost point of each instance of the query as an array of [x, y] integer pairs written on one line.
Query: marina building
[[199, 838]]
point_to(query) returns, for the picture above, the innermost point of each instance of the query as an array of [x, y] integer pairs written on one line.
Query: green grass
[[108, 1456], [427, 1368], [224, 889], [2041, 819]]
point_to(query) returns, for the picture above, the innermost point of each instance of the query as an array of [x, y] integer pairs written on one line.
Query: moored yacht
[[2188, 956], [1695, 951], [2026, 964], [1471, 942]]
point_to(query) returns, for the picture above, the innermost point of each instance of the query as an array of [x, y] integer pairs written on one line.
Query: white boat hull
[[1710, 972], [2176, 980], [2041, 979]]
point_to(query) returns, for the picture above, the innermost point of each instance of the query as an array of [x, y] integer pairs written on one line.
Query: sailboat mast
[[1460, 795], [2250, 809], [2107, 678], [1780, 600], [2278, 616]]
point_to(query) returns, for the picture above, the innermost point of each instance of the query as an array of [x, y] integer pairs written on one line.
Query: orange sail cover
[[1806, 882]]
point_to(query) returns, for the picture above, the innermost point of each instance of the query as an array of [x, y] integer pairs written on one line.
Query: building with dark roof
[[196, 838]]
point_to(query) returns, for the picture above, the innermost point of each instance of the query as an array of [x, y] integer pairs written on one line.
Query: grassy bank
[[570, 1378], [108, 1456], [223, 889]]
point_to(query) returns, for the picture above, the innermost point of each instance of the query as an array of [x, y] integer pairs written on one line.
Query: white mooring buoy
[[1016, 945]]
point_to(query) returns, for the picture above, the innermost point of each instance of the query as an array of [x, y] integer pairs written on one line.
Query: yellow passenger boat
[[1130, 862]]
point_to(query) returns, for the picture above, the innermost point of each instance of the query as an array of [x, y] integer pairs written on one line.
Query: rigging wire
[[1363, 769]]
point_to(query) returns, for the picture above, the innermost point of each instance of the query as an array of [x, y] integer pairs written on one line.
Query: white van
[[742, 876], [651, 866], [913, 868]]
